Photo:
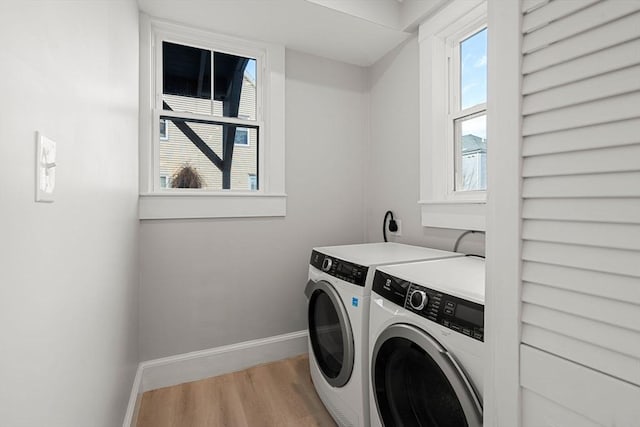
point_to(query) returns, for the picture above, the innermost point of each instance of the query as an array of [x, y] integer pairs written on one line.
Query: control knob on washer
[[326, 264], [418, 300]]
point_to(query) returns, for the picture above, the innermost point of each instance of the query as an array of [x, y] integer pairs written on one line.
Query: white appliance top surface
[[373, 254], [461, 277]]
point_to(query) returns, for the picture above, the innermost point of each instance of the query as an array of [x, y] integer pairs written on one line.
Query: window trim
[[270, 199], [440, 206]]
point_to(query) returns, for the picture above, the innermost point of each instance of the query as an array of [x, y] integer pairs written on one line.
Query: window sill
[[192, 206], [463, 215]]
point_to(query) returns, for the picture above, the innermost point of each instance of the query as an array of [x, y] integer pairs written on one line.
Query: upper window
[[217, 104], [453, 124]]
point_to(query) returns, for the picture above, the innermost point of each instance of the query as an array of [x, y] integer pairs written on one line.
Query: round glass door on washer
[[330, 333], [417, 383]]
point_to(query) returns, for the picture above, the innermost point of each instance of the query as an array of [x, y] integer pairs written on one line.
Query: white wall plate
[[45, 168]]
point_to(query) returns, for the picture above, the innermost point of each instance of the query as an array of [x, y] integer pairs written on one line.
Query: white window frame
[[439, 37], [270, 199]]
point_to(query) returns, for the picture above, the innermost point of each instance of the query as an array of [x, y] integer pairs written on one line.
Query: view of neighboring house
[[474, 163], [177, 150]]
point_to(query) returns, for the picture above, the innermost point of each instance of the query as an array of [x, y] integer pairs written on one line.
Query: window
[[165, 181], [164, 130], [242, 136], [253, 182], [468, 111], [204, 94], [453, 131], [216, 93]]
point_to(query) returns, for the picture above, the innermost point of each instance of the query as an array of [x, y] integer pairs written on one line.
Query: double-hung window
[[217, 105], [203, 95], [468, 110], [453, 100]]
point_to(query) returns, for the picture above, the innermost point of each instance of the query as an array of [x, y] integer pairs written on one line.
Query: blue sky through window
[[473, 75], [250, 69]]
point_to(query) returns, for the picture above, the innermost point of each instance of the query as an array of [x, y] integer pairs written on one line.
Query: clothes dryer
[[338, 291], [426, 344]]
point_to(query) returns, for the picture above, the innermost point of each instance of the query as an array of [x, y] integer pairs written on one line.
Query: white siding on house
[[580, 352]]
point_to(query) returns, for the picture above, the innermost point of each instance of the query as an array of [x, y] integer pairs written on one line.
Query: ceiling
[[358, 32]]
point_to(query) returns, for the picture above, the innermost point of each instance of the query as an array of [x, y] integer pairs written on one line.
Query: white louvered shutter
[[580, 351]]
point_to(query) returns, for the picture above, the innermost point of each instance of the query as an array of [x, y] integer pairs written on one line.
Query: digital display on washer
[[471, 315], [345, 268]]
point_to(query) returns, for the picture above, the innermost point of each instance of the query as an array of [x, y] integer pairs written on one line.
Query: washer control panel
[[336, 267], [457, 314]]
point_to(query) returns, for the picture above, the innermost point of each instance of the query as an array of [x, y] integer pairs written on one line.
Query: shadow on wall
[[324, 72]]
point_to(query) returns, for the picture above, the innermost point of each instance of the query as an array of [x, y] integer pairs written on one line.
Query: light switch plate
[[45, 168]]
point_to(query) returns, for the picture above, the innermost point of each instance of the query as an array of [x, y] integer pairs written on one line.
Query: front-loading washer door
[[330, 333], [416, 382]]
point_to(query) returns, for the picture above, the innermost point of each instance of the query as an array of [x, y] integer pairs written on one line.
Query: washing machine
[[338, 292], [426, 344]]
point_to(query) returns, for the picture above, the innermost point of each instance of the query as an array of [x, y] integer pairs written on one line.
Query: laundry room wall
[[68, 269], [208, 283], [393, 170]]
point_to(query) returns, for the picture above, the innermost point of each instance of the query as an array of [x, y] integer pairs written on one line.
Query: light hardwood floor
[[274, 394]]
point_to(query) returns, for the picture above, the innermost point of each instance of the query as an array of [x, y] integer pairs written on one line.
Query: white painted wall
[[208, 283], [68, 270], [393, 158]]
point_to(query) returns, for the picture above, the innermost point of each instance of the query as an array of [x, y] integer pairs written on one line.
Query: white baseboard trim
[[131, 416], [198, 365]]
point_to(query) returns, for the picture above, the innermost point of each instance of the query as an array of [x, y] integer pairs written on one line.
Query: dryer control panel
[[336, 267], [457, 314]]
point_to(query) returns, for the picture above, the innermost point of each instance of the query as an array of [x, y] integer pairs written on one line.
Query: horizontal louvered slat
[[598, 136], [614, 159], [623, 184], [583, 20], [616, 236], [602, 111], [604, 360], [620, 211], [530, 5], [538, 411], [616, 261], [601, 62], [552, 11], [619, 31], [602, 86], [612, 312], [580, 233], [624, 341], [602, 398], [615, 286]]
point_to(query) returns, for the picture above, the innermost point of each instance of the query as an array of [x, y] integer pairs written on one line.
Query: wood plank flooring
[[273, 394]]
